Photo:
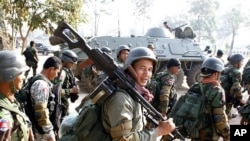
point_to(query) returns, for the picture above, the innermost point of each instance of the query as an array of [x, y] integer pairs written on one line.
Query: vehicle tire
[[45, 52], [193, 75]]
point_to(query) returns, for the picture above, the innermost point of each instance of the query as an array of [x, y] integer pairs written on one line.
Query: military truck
[[179, 44]]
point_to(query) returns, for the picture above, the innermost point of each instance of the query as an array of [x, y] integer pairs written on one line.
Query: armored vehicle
[[167, 45]]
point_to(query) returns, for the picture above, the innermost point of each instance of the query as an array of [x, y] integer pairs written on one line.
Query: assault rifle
[[116, 76]]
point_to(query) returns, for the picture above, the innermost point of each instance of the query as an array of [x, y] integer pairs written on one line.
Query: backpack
[[87, 126], [188, 113], [29, 55], [246, 75], [23, 97], [154, 87], [225, 80]]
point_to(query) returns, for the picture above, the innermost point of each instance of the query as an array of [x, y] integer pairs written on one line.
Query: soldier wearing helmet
[[233, 93], [122, 115], [94, 76], [69, 89], [14, 126], [121, 54], [216, 125], [219, 54]]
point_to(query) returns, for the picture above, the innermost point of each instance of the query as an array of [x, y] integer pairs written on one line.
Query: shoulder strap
[[5, 104]]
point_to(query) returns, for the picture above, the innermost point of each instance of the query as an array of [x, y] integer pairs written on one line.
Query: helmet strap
[[13, 88], [132, 72]]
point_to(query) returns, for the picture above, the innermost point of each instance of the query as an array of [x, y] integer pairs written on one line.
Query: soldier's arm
[[218, 111], [6, 125], [40, 95], [236, 86], [119, 113], [167, 83], [62, 79], [35, 52]]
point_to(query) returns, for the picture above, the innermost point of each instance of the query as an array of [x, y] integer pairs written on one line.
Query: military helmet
[[236, 58], [174, 62], [121, 48], [213, 64], [219, 52], [106, 49], [69, 56], [12, 64], [151, 46], [140, 53]]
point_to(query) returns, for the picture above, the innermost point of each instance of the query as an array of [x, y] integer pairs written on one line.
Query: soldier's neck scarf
[[209, 80], [144, 92]]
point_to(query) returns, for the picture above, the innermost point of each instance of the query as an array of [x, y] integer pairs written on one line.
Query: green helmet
[[121, 48], [213, 63], [12, 64], [69, 56], [106, 49], [140, 53], [236, 58]]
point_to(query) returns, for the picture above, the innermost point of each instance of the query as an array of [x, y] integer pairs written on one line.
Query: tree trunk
[[232, 42]]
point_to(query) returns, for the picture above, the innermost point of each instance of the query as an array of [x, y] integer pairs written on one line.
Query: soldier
[[165, 24], [121, 54], [122, 116], [32, 60], [14, 124], [40, 96], [234, 94], [219, 55], [168, 94], [218, 124], [66, 77], [152, 47], [95, 76]]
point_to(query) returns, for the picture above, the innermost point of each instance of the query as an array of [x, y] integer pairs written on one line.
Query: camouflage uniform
[[123, 118], [40, 93], [13, 127], [67, 79], [215, 109], [32, 64], [234, 93], [168, 92]]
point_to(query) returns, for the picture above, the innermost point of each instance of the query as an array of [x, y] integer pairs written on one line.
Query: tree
[[142, 10], [233, 21], [202, 18], [25, 16]]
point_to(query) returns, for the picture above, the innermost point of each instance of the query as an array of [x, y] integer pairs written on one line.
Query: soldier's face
[[123, 55], [144, 70], [18, 82], [53, 73]]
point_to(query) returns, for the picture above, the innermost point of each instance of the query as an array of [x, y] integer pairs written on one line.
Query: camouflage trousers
[[31, 65], [45, 137]]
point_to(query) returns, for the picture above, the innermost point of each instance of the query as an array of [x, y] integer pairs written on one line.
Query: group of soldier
[[122, 116]]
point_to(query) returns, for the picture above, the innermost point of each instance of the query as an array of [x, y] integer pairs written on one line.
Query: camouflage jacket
[[235, 78], [217, 122], [13, 127], [123, 118]]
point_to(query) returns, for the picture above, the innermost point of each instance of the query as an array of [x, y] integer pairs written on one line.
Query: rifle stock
[[116, 75]]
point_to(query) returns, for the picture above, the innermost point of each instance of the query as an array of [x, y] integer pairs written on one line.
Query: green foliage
[[202, 17], [35, 14]]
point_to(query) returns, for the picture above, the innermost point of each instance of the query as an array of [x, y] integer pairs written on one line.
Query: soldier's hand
[[243, 101], [75, 90], [165, 127]]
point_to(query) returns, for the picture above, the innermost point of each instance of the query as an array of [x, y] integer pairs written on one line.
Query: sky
[[159, 9]]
